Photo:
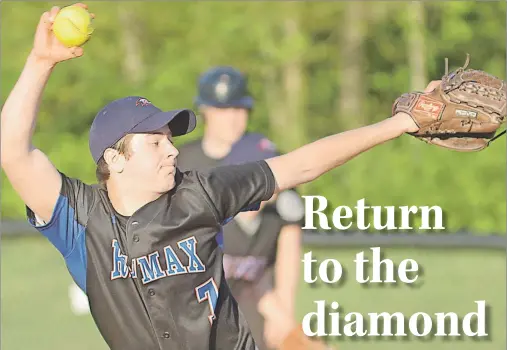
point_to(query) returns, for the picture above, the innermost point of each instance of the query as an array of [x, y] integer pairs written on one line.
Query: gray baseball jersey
[[155, 280]]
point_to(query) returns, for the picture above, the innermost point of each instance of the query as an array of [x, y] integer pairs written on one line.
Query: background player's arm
[[287, 266], [308, 162], [29, 171]]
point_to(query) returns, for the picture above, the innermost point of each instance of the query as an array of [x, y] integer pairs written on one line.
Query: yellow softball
[[73, 26]]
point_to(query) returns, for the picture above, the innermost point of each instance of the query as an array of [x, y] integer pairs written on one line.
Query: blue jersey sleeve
[[66, 228]]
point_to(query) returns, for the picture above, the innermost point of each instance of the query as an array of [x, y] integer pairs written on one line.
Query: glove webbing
[[467, 62], [497, 136], [462, 68]]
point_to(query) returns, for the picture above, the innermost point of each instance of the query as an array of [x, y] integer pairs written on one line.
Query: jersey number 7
[[208, 291]]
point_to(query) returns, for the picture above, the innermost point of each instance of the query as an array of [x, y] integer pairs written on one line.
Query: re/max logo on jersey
[[150, 267]]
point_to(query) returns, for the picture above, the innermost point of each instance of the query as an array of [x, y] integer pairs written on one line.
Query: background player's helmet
[[223, 87]]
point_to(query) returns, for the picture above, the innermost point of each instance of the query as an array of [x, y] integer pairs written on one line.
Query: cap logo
[[142, 102], [222, 88]]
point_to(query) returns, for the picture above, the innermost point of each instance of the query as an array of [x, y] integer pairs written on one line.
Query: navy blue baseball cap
[[134, 114]]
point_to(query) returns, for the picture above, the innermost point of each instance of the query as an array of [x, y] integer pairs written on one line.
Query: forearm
[[286, 285], [287, 268], [20, 110], [313, 160]]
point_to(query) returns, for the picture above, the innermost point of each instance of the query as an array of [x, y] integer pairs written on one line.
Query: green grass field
[[36, 312]]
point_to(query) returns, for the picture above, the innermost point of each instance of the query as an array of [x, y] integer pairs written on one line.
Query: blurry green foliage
[[176, 41]]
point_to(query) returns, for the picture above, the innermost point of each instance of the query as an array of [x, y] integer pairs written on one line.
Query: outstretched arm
[[310, 161], [29, 171]]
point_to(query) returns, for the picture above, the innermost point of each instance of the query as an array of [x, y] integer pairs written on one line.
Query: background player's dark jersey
[[250, 244], [250, 247], [155, 280], [251, 147], [192, 157]]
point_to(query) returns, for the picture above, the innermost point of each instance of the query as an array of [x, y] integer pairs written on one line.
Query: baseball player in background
[[141, 243], [262, 249]]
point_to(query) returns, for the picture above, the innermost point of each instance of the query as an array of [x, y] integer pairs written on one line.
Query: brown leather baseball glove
[[298, 340], [283, 333], [462, 113]]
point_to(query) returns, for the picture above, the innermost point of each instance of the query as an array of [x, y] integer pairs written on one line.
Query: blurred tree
[[311, 67], [416, 45], [293, 71], [133, 65], [350, 109]]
